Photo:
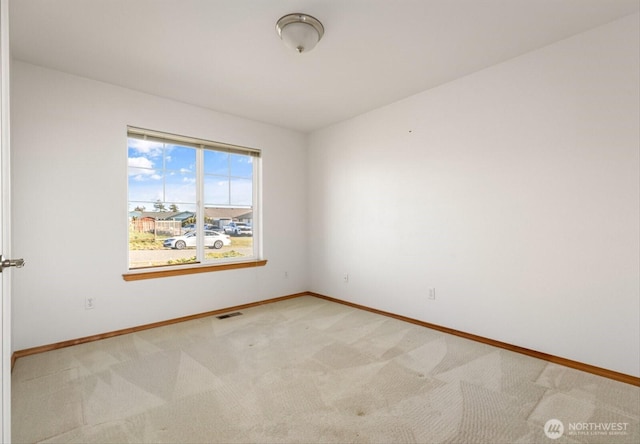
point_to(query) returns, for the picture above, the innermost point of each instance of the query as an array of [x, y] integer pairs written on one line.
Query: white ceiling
[[225, 54]]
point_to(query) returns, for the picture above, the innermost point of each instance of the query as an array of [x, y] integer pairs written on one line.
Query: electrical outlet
[[89, 303], [345, 278], [432, 294]]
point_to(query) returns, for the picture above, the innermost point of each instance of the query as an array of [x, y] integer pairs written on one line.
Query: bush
[[226, 254]]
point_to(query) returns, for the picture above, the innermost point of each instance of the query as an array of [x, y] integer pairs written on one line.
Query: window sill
[[138, 276]]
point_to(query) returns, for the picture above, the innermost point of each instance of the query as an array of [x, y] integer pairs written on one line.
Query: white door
[[5, 244]]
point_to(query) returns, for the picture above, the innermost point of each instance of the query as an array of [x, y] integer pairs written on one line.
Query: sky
[[168, 172]]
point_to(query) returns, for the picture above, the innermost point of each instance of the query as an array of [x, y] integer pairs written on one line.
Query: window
[[191, 201]]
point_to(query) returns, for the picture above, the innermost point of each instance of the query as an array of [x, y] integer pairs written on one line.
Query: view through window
[[190, 201]]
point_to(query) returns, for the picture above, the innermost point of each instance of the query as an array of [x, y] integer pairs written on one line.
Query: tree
[[139, 208], [174, 208], [159, 206]]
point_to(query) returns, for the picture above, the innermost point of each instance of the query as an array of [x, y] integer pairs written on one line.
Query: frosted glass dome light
[[300, 31]]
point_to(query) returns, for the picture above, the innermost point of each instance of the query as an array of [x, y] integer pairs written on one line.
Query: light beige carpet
[[306, 370]]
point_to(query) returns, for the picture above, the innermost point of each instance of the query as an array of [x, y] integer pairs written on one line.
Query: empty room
[[331, 221]]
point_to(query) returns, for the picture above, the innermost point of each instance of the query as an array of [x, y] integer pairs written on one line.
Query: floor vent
[[229, 315]]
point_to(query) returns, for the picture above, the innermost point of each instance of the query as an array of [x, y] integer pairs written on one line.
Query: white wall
[[70, 217], [513, 191]]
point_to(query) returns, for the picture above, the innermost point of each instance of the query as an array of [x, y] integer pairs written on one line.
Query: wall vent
[[229, 315]]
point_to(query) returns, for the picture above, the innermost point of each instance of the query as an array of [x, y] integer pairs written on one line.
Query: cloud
[[144, 177], [141, 169], [140, 162], [151, 149]]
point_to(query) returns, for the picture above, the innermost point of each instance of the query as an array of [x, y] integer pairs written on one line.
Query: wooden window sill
[[141, 275]]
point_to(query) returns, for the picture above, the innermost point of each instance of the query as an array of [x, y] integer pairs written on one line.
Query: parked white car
[[212, 239], [238, 229]]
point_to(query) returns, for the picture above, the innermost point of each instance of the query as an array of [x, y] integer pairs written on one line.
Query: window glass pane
[[145, 185], [216, 190], [145, 149], [216, 162], [158, 239], [236, 224], [180, 187], [180, 158], [145, 162], [241, 192], [162, 194], [241, 166]]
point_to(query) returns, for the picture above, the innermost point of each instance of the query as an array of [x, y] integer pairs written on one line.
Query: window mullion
[[199, 205], [164, 172], [256, 208], [229, 179]]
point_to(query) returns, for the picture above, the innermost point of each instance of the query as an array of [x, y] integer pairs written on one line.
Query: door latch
[[6, 263]]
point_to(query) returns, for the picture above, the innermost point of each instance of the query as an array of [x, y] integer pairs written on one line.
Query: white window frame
[[201, 145]]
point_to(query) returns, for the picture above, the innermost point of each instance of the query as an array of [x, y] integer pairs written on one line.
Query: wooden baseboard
[[617, 376], [622, 377], [124, 331]]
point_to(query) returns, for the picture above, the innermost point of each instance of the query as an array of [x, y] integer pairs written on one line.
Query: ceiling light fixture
[[300, 31]]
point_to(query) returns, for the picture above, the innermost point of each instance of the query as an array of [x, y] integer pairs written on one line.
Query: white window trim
[[203, 265]]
